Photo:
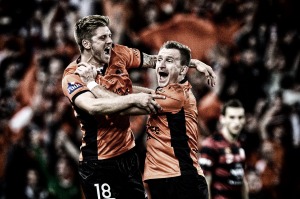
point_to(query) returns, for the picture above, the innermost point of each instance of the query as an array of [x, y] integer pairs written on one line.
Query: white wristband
[[91, 85]]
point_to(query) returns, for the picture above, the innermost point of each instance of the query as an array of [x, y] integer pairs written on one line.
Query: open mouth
[[163, 76], [107, 50]]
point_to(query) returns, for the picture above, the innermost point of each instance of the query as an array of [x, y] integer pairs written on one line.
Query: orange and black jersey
[[172, 135], [104, 136], [224, 161]]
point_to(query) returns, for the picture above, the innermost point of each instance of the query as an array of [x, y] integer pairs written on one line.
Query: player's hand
[[87, 72], [206, 70], [147, 102]]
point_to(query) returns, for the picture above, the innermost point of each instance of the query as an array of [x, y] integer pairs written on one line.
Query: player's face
[[101, 45], [233, 120], [168, 66]]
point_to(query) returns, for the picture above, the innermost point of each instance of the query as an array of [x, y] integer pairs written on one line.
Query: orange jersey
[[104, 136], [172, 135]]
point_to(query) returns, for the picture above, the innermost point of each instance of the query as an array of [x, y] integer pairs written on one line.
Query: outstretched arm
[[108, 102], [111, 105], [206, 69]]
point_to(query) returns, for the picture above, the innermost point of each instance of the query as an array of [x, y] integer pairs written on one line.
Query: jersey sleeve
[[131, 56], [174, 99], [72, 86]]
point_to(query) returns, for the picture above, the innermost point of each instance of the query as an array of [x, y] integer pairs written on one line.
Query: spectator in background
[[269, 168], [222, 158], [255, 185], [35, 186], [65, 183]]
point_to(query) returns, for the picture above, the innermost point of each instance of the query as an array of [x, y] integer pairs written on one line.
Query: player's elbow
[[93, 112]]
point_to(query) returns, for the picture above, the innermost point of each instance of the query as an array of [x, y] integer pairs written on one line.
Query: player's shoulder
[[70, 69], [176, 89], [173, 91], [121, 49], [212, 140], [208, 141], [118, 48]]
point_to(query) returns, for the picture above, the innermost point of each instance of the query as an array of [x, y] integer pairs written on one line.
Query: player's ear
[[184, 70], [222, 119], [86, 44]]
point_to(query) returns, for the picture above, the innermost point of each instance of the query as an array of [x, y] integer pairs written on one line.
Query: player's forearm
[[107, 106], [139, 89], [101, 92], [149, 61], [199, 65], [134, 111], [205, 69]]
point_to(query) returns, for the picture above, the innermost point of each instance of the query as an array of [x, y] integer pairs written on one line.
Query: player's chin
[[162, 81], [105, 59], [236, 131], [162, 84]]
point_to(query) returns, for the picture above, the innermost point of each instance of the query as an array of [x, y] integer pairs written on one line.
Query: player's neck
[[228, 136], [90, 59]]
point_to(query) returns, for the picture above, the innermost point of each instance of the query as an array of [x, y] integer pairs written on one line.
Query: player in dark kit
[[222, 158]]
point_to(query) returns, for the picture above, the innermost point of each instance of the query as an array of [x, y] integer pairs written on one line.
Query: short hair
[[184, 50], [85, 27], [235, 103]]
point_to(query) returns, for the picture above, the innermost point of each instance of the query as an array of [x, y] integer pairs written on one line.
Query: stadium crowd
[[252, 45]]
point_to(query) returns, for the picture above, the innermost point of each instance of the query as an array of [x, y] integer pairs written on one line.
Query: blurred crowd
[[252, 45]]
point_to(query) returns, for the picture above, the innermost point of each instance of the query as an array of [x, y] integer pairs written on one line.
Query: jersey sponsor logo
[[152, 131], [72, 86], [236, 183], [237, 174]]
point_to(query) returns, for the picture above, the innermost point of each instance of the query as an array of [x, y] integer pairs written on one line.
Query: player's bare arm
[[106, 106], [206, 70], [140, 89], [109, 102], [149, 61]]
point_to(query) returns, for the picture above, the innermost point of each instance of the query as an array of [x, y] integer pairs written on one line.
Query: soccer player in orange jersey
[[171, 167], [108, 164]]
